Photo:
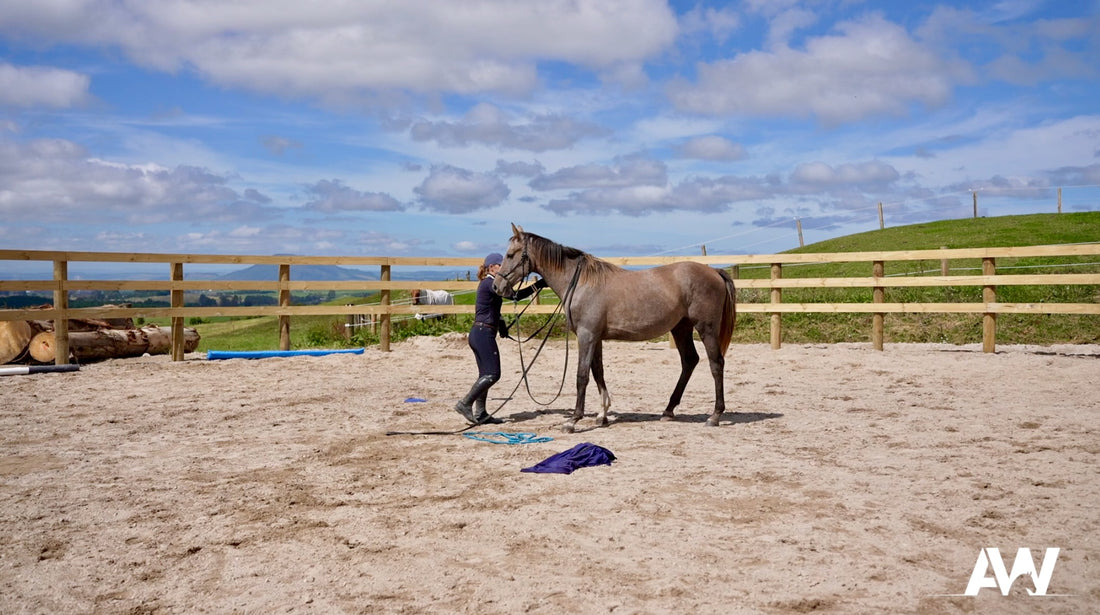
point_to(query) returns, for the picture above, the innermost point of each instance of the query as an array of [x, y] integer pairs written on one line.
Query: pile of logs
[[32, 341]]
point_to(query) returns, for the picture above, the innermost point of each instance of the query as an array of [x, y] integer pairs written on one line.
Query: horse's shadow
[[731, 418]]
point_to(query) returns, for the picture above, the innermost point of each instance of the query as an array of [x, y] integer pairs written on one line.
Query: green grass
[[1006, 231], [262, 332], [328, 331]]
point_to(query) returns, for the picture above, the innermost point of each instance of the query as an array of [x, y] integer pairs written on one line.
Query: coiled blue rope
[[503, 437]]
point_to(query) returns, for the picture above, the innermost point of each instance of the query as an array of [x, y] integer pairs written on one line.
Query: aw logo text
[[1002, 578]]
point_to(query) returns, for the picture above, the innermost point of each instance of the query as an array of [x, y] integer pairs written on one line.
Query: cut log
[[113, 343], [43, 346], [87, 324], [160, 340], [112, 323], [14, 337]]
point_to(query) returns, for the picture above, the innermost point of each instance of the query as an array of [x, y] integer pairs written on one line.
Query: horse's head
[[517, 264]]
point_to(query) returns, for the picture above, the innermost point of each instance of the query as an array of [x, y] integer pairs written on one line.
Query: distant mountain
[[335, 273], [312, 273]]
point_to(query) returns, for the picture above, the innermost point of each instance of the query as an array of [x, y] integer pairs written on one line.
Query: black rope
[[562, 307]]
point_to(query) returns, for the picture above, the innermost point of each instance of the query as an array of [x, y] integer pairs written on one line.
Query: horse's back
[[693, 278], [642, 304]]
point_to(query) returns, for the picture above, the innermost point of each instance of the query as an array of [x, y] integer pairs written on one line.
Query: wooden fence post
[[989, 319], [777, 297], [944, 268], [61, 308], [284, 301], [878, 269], [177, 321], [384, 335]]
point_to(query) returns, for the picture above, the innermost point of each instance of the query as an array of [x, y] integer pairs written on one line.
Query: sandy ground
[[842, 480]]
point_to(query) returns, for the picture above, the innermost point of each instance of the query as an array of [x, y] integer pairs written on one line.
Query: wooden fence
[[875, 281]]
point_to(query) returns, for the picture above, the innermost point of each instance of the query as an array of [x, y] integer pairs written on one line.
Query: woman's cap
[[494, 258]]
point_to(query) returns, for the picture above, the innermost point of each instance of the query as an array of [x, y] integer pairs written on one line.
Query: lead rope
[[566, 303], [563, 306]]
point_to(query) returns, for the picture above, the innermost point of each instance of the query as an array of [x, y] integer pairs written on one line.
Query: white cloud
[[279, 145], [717, 23], [818, 175], [331, 196], [34, 86], [871, 67], [54, 179], [486, 123], [332, 49], [712, 147], [1019, 53], [784, 24], [245, 231], [449, 189], [627, 173], [697, 194]]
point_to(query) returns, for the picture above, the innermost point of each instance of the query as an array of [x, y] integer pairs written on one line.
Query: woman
[[483, 340]]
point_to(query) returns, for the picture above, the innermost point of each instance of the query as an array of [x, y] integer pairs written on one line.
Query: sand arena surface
[[842, 480]]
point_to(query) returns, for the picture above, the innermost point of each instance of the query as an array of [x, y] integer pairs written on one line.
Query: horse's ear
[[516, 230]]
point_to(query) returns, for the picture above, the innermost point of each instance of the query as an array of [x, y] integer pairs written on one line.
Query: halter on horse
[[604, 301]]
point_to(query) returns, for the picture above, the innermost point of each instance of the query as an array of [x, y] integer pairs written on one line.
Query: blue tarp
[[582, 455], [268, 354]]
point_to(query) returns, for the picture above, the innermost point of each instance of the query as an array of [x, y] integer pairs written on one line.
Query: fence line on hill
[[386, 309]]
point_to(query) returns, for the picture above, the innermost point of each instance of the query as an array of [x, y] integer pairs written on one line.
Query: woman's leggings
[[483, 341]]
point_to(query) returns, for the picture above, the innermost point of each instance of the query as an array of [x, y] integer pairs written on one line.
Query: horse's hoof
[[668, 417], [568, 428], [712, 421]]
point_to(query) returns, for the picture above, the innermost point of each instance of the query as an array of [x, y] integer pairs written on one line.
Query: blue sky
[[623, 127]]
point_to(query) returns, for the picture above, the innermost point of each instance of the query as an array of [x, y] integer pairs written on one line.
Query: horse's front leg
[[597, 374], [586, 352], [689, 358]]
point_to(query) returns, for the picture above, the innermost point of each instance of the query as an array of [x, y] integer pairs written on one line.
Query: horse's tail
[[729, 311]]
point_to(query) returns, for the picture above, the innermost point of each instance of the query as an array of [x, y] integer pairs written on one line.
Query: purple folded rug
[[582, 455]]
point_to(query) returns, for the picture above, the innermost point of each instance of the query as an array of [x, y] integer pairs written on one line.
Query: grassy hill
[[327, 331], [1002, 231]]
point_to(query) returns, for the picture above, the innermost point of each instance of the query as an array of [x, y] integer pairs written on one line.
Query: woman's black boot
[[480, 415], [465, 406]]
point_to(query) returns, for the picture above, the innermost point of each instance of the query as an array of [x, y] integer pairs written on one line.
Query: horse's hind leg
[[689, 358], [597, 375], [717, 369]]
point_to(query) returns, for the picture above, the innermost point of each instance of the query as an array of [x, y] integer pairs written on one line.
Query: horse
[[606, 302], [422, 296]]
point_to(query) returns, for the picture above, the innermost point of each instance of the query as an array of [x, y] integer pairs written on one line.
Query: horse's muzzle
[[503, 288]]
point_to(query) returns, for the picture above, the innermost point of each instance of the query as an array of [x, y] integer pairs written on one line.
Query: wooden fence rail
[[385, 309]]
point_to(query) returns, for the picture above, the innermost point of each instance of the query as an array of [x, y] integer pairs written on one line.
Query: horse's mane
[[550, 254]]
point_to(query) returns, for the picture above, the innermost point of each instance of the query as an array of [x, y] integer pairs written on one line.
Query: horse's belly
[[639, 330]]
